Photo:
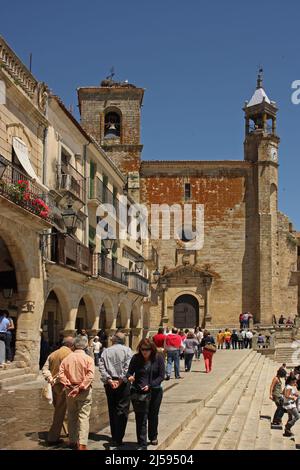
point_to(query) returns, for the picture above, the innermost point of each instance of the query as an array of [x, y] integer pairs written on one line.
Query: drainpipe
[[86, 193], [45, 150]]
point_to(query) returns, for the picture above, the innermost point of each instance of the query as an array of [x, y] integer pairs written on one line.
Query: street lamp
[[156, 275], [139, 263], [164, 284], [108, 244], [70, 218]]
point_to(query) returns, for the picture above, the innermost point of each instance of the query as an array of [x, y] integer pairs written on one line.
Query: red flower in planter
[[23, 184], [41, 207]]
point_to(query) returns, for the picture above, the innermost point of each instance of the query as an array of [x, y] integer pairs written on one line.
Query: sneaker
[[167, 377], [141, 448], [154, 442]]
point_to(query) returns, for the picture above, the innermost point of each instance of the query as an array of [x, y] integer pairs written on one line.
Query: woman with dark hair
[[291, 395], [209, 348], [276, 396], [146, 372]]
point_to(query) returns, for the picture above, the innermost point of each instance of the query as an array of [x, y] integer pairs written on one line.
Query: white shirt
[[96, 346], [249, 334]]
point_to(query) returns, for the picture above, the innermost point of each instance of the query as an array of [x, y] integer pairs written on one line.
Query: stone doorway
[[186, 311]]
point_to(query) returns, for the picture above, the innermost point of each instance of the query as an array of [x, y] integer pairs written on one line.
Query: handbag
[[140, 400], [210, 347]]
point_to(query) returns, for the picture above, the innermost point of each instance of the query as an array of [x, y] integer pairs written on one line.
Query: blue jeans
[[173, 356]]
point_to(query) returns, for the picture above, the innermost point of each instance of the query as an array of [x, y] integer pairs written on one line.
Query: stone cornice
[[16, 69], [193, 167]]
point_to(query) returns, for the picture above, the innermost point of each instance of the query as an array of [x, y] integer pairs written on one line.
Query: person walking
[[8, 339], [220, 339], [50, 372], [291, 396], [159, 339], [4, 324], [96, 347], [240, 339], [234, 339], [113, 366], [276, 390], [190, 346], [227, 338], [209, 348], [76, 373], [146, 373], [249, 336], [199, 335], [173, 345]]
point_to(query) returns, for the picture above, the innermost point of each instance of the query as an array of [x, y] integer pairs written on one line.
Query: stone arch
[[106, 313], [188, 291], [62, 297], [112, 115], [51, 325], [17, 129], [122, 316], [91, 310], [135, 316]]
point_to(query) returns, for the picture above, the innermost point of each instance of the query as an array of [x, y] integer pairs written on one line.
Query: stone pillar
[[136, 337], [28, 336], [109, 333], [126, 332], [207, 315]]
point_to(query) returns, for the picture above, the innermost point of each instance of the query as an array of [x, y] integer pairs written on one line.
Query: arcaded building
[[249, 252]]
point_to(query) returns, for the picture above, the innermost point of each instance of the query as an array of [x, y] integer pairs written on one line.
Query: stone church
[[249, 256]]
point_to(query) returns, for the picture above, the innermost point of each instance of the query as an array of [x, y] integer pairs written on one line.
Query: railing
[[66, 251], [110, 269], [96, 189], [20, 189], [99, 191], [70, 179], [138, 283]]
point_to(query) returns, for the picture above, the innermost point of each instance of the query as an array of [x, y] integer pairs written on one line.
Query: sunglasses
[[145, 349]]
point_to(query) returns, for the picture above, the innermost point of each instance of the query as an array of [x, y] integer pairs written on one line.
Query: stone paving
[[25, 416]]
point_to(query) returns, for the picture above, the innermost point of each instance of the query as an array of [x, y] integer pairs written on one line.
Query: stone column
[[136, 337], [109, 333], [207, 315]]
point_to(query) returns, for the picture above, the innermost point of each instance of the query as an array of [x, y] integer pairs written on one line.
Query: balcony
[[137, 283], [69, 179], [99, 193], [95, 191], [114, 271], [62, 249], [19, 188]]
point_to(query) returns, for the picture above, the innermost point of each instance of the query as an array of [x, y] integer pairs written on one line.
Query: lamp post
[[70, 218]]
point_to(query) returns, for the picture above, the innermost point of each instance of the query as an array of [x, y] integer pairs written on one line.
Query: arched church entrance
[[186, 311]]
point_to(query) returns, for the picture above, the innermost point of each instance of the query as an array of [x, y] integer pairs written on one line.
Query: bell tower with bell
[[111, 113], [261, 149]]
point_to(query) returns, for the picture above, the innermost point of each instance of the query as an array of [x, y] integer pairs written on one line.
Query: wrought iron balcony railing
[[138, 283], [66, 251], [22, 190]]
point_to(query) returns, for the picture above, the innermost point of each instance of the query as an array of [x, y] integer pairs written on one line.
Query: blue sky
[[197, 61]]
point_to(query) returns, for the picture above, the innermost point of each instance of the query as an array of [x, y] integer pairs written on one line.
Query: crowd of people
[[127, 378], [284, 392]]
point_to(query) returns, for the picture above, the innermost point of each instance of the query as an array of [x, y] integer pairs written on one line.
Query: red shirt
[[173, 341], [159, 340]]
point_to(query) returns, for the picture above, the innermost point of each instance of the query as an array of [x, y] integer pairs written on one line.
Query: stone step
[[214, 432], [17, 380], [190, 435], [231, 438], [248, 438], [14, 372]]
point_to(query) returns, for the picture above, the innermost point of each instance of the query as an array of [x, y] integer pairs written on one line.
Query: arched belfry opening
[[112, 125]]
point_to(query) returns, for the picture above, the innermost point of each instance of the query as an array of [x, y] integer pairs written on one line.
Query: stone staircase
[[238, 415], [15, 374]]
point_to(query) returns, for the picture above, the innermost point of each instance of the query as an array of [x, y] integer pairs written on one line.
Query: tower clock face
[[274, 155]]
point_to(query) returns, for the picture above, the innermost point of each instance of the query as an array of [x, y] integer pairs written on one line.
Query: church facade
[[249, 255]]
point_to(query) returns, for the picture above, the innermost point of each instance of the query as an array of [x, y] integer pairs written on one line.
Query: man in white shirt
[[249, 336]]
